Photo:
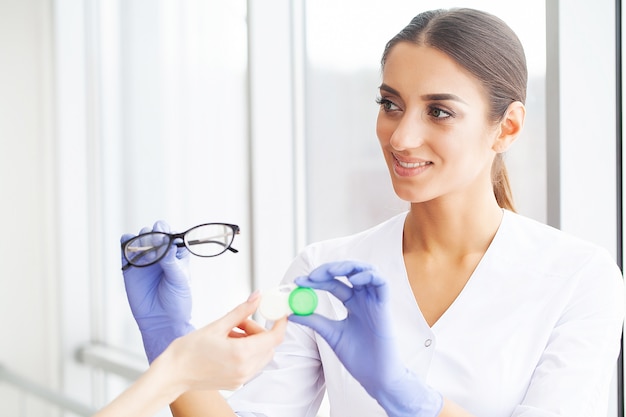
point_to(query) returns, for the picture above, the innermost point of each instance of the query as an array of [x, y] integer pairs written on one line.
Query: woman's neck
[[456, 230]]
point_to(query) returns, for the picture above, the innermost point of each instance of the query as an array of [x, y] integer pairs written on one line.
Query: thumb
[[328, 329], [174, 268], [236, 316]]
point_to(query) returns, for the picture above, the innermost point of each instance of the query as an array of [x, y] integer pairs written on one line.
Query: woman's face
[[433, 127]]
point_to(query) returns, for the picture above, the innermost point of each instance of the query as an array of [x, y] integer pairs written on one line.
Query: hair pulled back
[[487, 48]]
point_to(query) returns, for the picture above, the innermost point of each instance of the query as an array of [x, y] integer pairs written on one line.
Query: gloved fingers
[[325, 277], [346, 268], [175, 270], [126, 237], [182, 252], [329, 329], [169, 259], [161, 226], [327, 283], [362, 276], [371, 283], [366, 277], [164, 227], [144, 230]]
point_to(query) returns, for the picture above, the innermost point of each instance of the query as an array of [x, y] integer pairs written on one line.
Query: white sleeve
[[572, 377]]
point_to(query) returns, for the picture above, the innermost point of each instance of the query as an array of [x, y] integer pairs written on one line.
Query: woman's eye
[[438, 113], [387, 105]]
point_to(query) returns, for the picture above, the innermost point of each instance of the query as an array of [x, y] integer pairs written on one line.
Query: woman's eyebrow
[[388, 89], [426, 97], [443, 97]]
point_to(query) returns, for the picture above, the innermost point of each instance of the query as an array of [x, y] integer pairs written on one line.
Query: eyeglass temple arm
[[141, 255], [198, 242]]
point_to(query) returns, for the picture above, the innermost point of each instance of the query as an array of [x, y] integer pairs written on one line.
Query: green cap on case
[[303, 301]]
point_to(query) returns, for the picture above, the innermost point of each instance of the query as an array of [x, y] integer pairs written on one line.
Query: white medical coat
[[535, 332]]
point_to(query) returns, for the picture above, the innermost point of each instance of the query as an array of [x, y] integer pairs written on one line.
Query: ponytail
[[501, 184]]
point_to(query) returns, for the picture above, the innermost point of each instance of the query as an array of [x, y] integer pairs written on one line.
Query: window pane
[[174, 141]]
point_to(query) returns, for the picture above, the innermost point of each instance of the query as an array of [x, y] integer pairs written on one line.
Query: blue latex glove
[[160, 297], [364, 341]]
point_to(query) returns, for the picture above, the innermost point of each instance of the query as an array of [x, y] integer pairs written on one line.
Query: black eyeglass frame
[[183, 243]]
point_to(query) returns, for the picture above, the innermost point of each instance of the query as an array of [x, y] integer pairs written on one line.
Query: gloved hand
[[364, 341], [160, 297]]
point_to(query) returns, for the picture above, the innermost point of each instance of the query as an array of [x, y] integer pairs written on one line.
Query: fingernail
[[254, 295]]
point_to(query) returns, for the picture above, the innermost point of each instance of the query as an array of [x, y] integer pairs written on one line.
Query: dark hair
[[486, 47]]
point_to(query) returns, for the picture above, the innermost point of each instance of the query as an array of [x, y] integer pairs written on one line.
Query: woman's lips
[[407, 168]]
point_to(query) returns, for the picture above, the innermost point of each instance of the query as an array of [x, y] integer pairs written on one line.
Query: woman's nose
[[409, 133]]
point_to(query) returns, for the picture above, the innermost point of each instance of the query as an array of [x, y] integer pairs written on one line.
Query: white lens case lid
[[275, 302]]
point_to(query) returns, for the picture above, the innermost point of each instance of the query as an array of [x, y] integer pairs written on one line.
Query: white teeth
[[412, 164]]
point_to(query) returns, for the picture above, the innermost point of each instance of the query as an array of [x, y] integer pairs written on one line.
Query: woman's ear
[[510, 126]]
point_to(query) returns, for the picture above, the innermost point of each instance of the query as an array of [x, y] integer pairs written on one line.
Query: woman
[[460, 306]]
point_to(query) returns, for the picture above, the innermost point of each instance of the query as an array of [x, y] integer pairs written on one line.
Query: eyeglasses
[[206, 240]]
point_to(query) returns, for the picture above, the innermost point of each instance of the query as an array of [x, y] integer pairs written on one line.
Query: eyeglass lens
[[209, 239], [147, 248]]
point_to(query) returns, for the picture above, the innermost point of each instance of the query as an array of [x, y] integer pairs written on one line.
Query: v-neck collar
[[464, 299]]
